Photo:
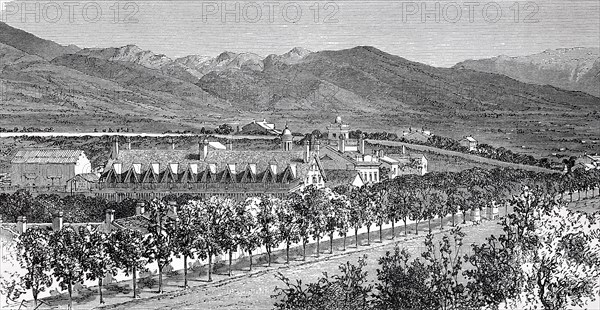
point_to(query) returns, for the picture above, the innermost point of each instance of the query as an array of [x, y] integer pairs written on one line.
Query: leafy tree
[[35, 254], [345, 292], [19, 203], [288, 225], [249, 237], [188, 235], [356, 211], [402, 285], [69, 258], [211, 220], [127, 251], [560, 249], [496, 276], [318, 204], [98, 262], [444, 262], [380, 206], [232, 229], [303, 212], [160, 241], [402, 198], [342, 206], [267, 223]]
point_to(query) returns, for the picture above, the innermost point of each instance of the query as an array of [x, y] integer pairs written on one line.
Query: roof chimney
[[172, 143], [361, 144], [403, 150], [342, 144], [204, 154], [129, 143], [57, 221], [115, 148], [21, 224], [230, 144], [139, 208], [317, 147], [306, 151]]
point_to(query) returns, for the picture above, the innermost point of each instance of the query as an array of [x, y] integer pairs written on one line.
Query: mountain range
[[46, 84], [567, 68]]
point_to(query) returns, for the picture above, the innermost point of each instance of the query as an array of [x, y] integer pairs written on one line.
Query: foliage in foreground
[[548, 258]]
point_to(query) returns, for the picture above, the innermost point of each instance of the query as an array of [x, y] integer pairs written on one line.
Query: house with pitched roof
[[468, 142], [341, 159], [402, 164], [263, 128], [147, 174], [47, 167]]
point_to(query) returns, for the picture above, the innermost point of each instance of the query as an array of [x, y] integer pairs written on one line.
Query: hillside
[[31, 44], [128, 87], [567, 68], [367, 79]]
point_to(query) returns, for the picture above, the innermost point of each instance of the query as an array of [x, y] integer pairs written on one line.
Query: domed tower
[[286, 139]]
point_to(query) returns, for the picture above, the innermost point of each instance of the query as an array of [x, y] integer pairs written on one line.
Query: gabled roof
[[89, 177], [399, 158], [470, 139], [332, 159], [210, 168], [46, 156], [340, 177], [136, 222]]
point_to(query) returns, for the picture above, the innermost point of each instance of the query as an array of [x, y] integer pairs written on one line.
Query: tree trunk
[[230, 258], [100, 290], [331, 243], [209, 266], [268, 256], [250, 254], [185, 271], [441, 223], [35, 293], [393, 233], [464, 216], [405, 227], [304, 249], [429, 223], [417, 227], [160, 274], [380, 234], [287, 252], [579, 195], [453, 224], [344, 242], [318, 244], [356, 236], [368, 234], [134, 282], [70, 288]]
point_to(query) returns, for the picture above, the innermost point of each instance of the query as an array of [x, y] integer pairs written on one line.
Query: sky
[[439, 33]]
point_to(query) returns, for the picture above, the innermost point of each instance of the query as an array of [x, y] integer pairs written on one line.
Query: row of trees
[[548, 258], [447, 143], [77, 208], [207, 228]]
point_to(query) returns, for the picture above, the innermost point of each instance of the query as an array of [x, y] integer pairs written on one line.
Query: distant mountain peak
[[573, 68], [298, 51]]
